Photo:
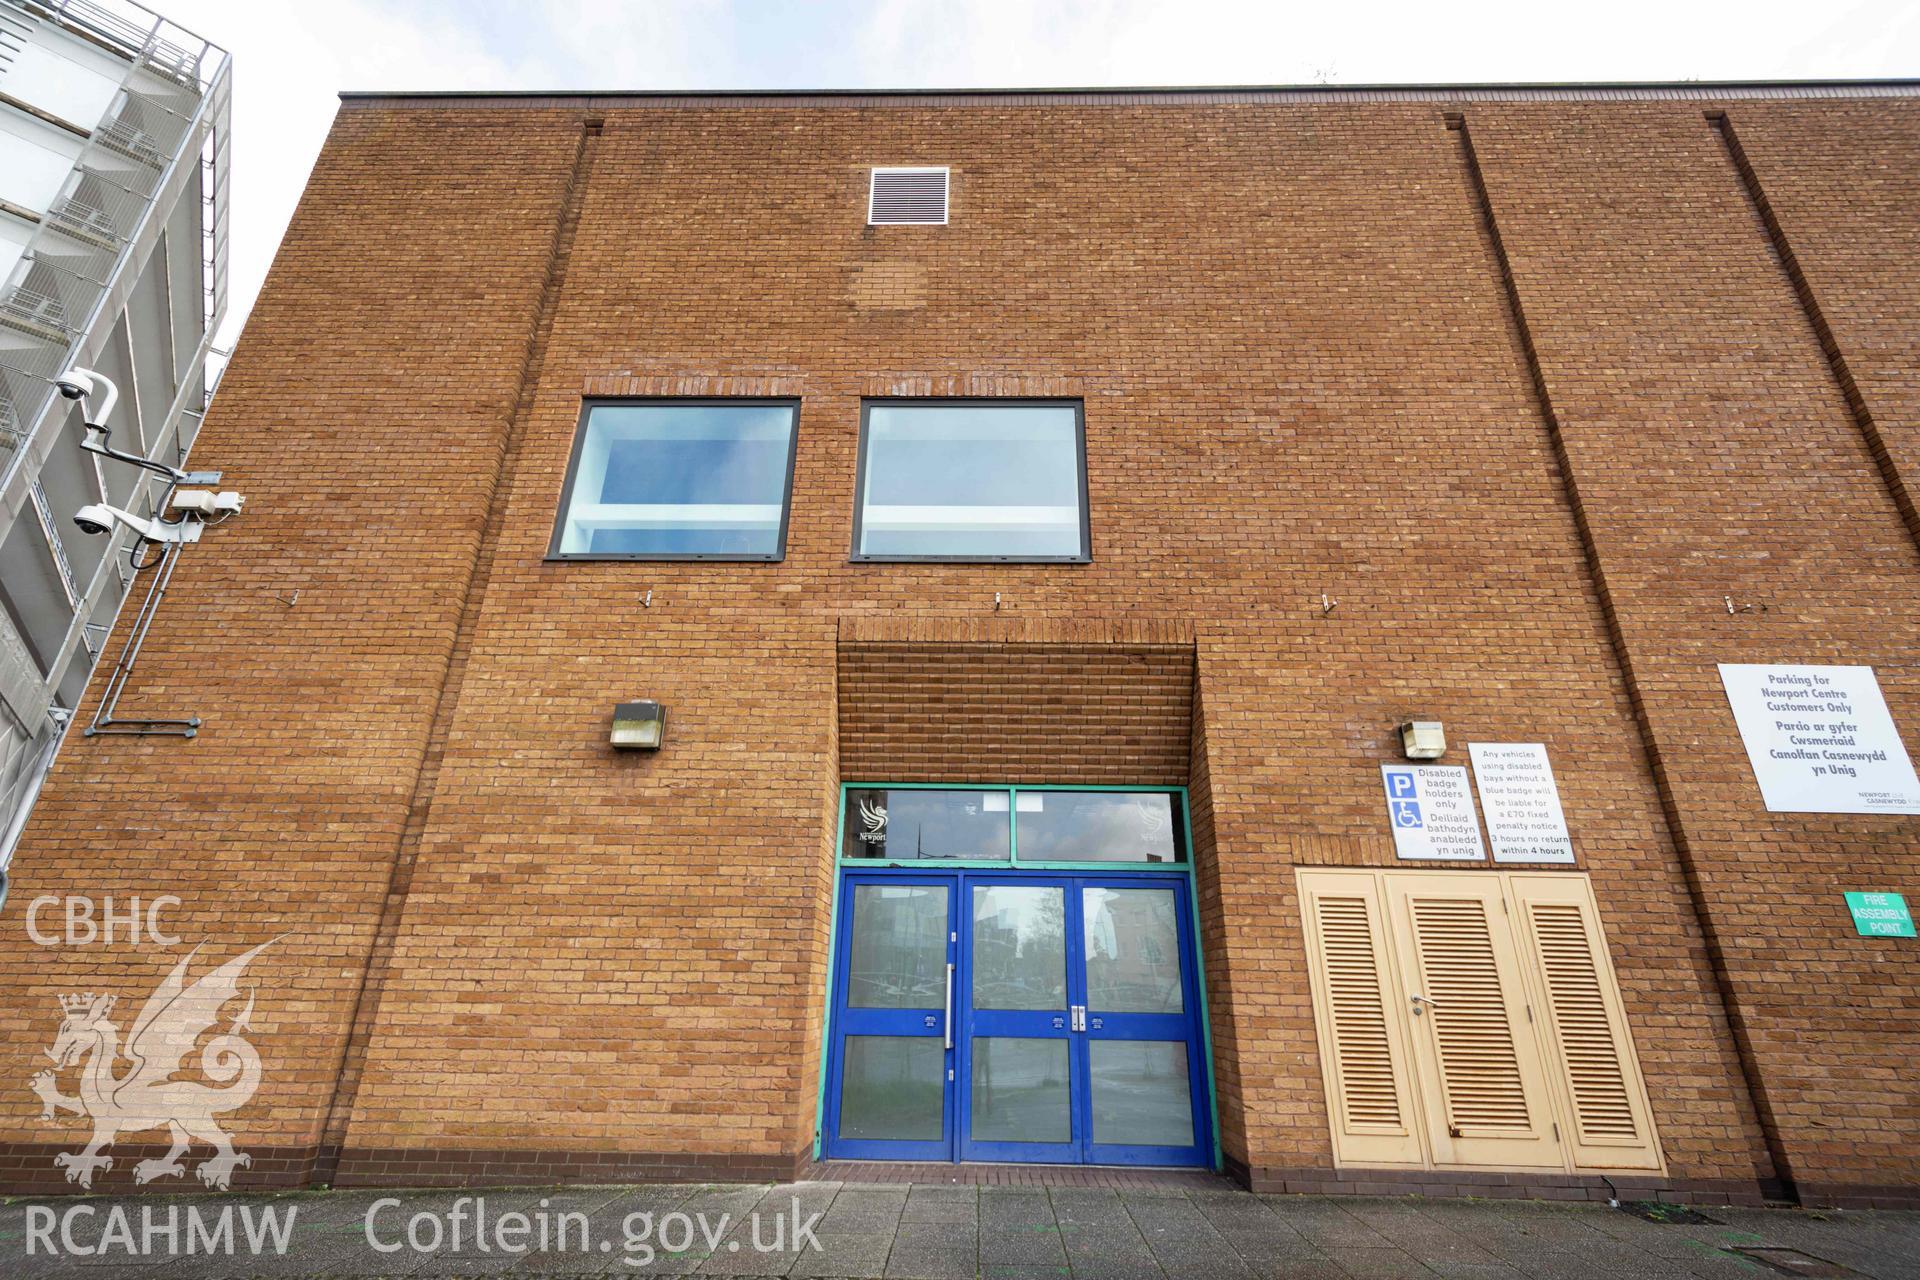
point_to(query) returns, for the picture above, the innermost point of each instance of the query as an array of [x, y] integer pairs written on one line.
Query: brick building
[[1037, 513]]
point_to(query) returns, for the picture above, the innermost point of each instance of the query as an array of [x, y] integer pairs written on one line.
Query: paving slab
[[861, 1209], [1015, 1206], [1114, 1267], [1020, 1271], [1260, 1248], [1088, 1207], [934, 1251], [1326, 1223], [1026, 1244], [848, 1256], [942, 1204], [1447, 1270], [1378, 1264]]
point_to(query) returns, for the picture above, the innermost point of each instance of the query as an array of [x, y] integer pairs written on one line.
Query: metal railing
[[136, 33], [168, 126], [76, 261]]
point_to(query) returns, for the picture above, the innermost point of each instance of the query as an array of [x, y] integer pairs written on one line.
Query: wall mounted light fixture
[[638, 726], [1423, 739]]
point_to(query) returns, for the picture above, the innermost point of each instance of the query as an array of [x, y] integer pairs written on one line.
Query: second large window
[[971, 480]]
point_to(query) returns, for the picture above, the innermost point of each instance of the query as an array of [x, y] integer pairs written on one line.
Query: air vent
[[908, 196]]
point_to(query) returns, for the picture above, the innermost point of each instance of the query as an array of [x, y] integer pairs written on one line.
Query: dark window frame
[[589, 403], [1079, 407]]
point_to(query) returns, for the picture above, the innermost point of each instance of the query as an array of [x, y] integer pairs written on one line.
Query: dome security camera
[[93, 519], [80, 384], [98, 518]]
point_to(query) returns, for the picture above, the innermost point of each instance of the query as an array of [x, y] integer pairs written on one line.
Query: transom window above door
[[972, 480], [678, 480], [1027, 825]]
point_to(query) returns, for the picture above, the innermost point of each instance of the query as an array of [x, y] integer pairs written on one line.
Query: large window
[[971, 480], [679, 480]]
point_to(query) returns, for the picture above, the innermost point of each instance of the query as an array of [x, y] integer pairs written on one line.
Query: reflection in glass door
[[1017, 1098], [1146, 1094], [887, 1091], [1017, 1016]]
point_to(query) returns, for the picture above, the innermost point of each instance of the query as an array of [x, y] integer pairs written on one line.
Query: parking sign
[[1430, 809]]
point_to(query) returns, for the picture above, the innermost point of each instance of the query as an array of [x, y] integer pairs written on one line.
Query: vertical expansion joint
[[1837, 365], [1483, 201], [374, 971], [1696, 892]]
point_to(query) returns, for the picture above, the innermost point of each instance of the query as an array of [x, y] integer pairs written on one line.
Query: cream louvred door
[[1474, 1050], [1363, 1053], [1585, 1032]]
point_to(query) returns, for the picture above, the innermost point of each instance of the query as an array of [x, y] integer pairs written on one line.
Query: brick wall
[[1061, 703], [1728, 465], [368, 472], [1305, 377]]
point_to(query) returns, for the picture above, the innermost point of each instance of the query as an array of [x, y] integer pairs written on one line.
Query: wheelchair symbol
[[1406, 813]]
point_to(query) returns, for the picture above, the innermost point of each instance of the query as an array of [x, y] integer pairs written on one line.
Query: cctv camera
[[94, 519], [97, 518], [79, 384]]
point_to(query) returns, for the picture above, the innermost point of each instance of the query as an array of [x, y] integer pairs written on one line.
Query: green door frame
[[841, 863]]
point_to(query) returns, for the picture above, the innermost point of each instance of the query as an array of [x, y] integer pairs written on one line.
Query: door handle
[[949, 1006], [1079, 1012], [1423, 1000]]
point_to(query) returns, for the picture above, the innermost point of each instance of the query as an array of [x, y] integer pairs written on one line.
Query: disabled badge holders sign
[[1430, 808]]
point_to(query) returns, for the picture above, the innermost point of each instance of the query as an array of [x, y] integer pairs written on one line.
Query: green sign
[[1880, 915]]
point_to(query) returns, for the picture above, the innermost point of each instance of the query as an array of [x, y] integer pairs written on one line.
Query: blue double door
[[1009, 1016]]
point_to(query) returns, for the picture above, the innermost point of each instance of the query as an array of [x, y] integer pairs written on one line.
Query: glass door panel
[[1018, 1091], [1145, 1083], [899, 951], [894, 1089], [889, 1082], [1132, 947], [1018, 947], [1140, 1094], [1017, 1096]]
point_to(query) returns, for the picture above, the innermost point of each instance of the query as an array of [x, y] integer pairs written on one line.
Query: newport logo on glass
[[873, 821], [146, 1095]]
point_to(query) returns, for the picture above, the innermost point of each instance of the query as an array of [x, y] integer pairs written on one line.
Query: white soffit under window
[[911, 196]]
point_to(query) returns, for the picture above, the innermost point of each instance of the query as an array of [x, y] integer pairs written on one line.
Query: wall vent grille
[[912, 197]]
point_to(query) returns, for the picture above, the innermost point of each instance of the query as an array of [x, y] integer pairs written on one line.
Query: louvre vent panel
[[1364, 1060], [1602, 1101], [1479, 1069], [908, 196], [1516, 1054]]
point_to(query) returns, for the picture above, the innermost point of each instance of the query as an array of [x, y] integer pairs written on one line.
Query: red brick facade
[[1530, 388]]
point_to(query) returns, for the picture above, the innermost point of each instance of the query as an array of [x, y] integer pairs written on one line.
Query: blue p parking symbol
[[1400, 784]]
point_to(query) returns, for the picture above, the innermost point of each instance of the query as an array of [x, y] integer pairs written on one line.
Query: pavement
[[930, 1232]]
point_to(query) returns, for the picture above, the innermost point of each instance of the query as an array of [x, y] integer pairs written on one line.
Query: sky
[[292, 57]]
